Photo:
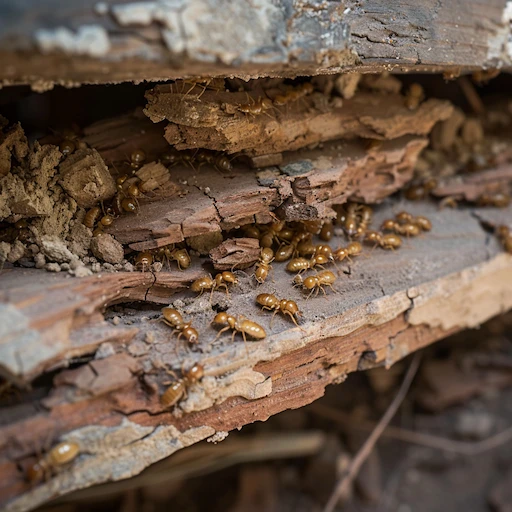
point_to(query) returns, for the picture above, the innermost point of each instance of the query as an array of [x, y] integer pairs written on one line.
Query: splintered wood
[[214, 121], [304, 186], [386, 306]]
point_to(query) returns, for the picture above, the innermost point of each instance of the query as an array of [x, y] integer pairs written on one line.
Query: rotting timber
[[99, 337]]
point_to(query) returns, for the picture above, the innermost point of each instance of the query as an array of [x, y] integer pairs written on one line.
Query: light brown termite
[[414, 96], [58, 457], [326, 232], [270, 233], [173, 318], [263, 267], [182, 258], [240, 325], [221, 280], [91, 217], [303, 264], [178, 388], [286, 307], [67, 146], [256, 107], [407, 218], [316, 282], [352, 249], [391, 241], [143, 260], [497, 200]]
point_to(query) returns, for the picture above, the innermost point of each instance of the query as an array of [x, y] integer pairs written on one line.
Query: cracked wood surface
[[210, 122], [113, 41], [388, 304], [304, 186]]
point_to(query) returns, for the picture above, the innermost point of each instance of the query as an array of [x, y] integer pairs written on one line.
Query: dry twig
[[347, 478], [419, 438]]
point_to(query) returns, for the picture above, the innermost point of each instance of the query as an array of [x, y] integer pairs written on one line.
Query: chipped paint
[[90, 40]]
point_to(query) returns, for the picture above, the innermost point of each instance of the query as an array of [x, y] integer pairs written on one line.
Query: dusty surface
[[372, 320]]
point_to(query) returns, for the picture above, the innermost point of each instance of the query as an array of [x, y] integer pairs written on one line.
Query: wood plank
[[388, 304], [87, 42]]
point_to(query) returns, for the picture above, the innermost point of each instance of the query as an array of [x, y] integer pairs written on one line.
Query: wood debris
[[207, 123], [234, 253]]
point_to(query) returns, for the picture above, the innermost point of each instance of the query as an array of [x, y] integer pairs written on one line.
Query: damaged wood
[[48, 318], [234, 253], [471, 186], [215, 122], [385, 308], [158, 40], [305, 186]]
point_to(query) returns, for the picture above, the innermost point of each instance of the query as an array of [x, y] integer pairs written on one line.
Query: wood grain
[[388, 304], [121, 41]]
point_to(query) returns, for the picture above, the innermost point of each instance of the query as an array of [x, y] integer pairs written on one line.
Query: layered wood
[[87, 42], [213, 120], [304, 186], [388, 304]]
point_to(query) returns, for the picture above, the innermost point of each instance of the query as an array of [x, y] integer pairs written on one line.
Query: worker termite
[[286, 307], [143, 261], [355, 218], [263, 267], [169, 253], [239, 324], [217, 160], [391, 241], [326, 232], [256, 107], [221, 280], [299, 239], [414, 96], [59, 456], [137, 158], [178, 389], [173, 318], [406, 218], [67, 146], [294, 94], [303, 264], [365, 215], [407, 229], [505, 236], [352, 249], [316, 282], [271, 232], [497, 200], [420, 191], [91, 217]]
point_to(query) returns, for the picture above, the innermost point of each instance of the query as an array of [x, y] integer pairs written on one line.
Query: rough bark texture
[[388, 304], [156, 40], [213, 121]]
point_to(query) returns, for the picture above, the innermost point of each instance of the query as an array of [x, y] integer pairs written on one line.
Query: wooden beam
[[389, 303], [114, 41]]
